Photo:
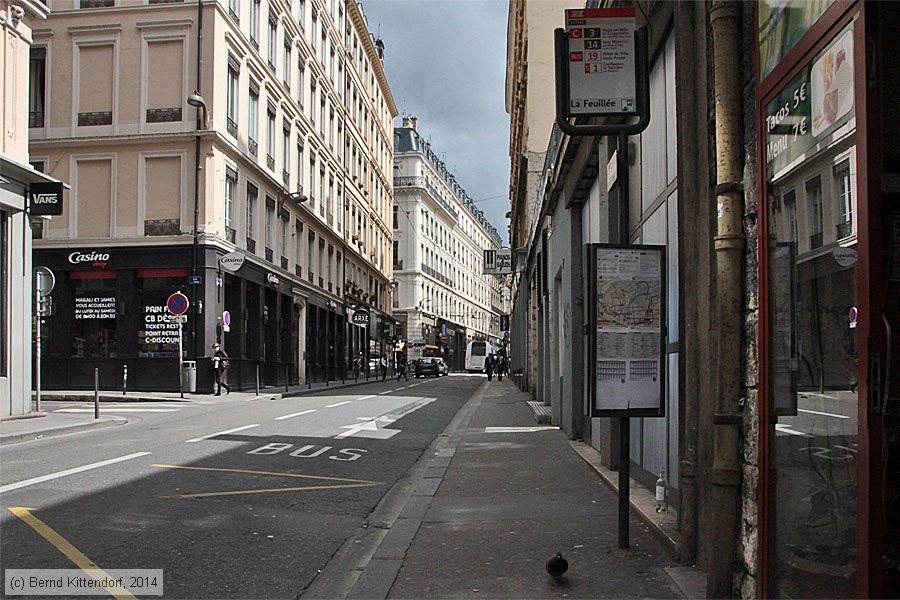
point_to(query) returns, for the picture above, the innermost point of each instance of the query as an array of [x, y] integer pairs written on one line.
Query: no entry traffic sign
[[177, 303]]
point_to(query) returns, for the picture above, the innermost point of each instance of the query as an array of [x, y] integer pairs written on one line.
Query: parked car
[[431, 366]]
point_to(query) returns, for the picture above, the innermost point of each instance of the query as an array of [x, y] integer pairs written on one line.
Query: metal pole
[[37, 375], [180, 355], [257, 379], [96, 393], [624, 479], [124, 379]]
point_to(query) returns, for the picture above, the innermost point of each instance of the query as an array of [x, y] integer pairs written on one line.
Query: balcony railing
[[251, 246], [36, 119], [163, 115], [284, 263], [270, 254], [270, 162], [309, 276], [321, 282], [286, 177], [421, 182], [815, 241], [252, 146], [230, 234], [231, 127], [91, 119], [298, 269], [844, 229]]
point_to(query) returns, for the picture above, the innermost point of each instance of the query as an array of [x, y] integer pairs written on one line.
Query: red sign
[[177, 303]]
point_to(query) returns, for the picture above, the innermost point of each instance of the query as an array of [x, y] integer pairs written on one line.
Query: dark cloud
[[446, 64]]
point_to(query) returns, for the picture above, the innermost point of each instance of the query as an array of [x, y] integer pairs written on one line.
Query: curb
[[15, 438]]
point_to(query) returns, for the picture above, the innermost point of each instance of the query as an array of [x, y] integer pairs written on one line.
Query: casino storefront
[[109, 313], [829, 197]]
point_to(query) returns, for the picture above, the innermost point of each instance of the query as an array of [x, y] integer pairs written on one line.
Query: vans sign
[[46, 199], [232, 261]]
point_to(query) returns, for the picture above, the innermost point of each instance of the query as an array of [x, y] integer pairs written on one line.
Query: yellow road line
[[273, 490], [71, 552], [320, 477]]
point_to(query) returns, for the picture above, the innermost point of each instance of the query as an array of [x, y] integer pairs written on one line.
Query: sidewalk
[[43, 425], [484, 509]]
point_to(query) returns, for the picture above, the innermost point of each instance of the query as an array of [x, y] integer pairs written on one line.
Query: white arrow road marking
[[43, 478], [374, 427], [212, 435], [296, 414]]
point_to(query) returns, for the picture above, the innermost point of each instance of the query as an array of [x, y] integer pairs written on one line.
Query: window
[[270, 224], [253, 118], [252, 195], [37, 87], [273, 35], [284, 244], [234, 10], [230, 185], [94, 325], [286, 153], [814, 201], [844, 191], [301, 69], [286, 69], [270, 136], [254, 23], [301, 13], [300, 165], [309, 254], [232, 94], [298, 241]]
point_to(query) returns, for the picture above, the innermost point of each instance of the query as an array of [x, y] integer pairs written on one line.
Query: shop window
[[95, 312], [157, 338]]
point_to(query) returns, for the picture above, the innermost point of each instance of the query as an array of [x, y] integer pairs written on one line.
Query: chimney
[[413, 121], [406, 122], [379, 47]]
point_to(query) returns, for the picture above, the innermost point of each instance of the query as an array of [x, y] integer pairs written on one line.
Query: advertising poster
[[629, 330]]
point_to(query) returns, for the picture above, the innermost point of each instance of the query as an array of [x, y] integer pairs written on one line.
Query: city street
[[239, 499]]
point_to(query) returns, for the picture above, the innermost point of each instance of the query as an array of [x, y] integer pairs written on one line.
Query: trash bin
[[189, 376]]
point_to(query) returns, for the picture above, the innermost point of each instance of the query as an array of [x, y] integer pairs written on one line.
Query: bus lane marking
[[339, 403], [71, 552], [344, 482]]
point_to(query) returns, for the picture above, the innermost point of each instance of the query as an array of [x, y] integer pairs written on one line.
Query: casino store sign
[[97, 259]]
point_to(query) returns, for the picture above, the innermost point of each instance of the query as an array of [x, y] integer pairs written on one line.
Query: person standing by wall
[[489, 366], [501, 367], [220, 364]]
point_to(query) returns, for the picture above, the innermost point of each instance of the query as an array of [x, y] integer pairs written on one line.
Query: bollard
[[96, 393], [124, 379], [257, 380]]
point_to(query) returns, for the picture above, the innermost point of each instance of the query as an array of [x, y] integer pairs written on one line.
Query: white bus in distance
[[476, 353]]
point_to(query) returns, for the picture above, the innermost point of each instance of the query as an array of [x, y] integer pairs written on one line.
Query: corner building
[[443, 297], [257, 129]]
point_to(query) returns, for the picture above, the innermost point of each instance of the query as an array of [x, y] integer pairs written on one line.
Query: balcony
[[286, 177], [421, 182], [398, 265], [231, 127], [251, 246], [230, 234], [329, 286], [284, 263], [163, 115], [321, 282], [309, 276], [270, 254], [844, 229], [815, 241], [270, 162], [36, 119], [92, 119], [252, 146], [298, 270]]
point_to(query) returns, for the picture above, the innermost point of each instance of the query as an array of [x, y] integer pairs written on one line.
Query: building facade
[[768, 174], [443, 297], [17, 19], [257, 130]]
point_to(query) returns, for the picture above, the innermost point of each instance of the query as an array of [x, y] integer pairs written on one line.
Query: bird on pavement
[[557, 565]]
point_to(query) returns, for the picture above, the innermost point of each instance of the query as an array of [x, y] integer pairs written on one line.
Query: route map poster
[[629, 330]]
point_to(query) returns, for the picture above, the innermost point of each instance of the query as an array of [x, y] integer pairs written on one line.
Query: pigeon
[[557, 565]]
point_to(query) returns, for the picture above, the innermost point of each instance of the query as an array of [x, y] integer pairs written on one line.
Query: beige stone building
[[259, 130], [17, 180]]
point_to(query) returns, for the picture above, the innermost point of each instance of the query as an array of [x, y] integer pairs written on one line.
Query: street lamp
[[197, 101]]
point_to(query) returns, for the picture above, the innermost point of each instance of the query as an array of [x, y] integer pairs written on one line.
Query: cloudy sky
[[446, 64]]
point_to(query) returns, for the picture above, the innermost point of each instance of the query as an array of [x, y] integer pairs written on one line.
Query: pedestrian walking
[[489, 366], [501, 367], [220, 364], [384, 366], [402, 371]]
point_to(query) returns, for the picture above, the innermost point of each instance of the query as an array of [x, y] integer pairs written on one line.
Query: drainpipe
[[195, 241], [729, 254]]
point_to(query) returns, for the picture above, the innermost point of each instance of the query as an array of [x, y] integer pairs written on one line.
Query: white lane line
[[786, 429], [339, 403], [401, 388], [43, 478], [518, 429], [297, 414], [383, 393], [212, 435], [115, 410], [824, 414], [366, 397]]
